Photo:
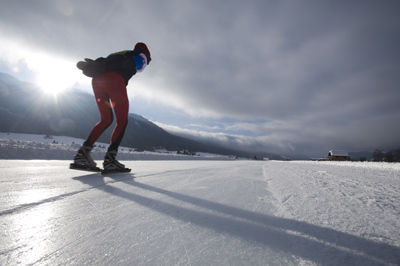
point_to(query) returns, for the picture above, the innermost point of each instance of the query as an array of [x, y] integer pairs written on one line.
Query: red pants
[[110, 92]]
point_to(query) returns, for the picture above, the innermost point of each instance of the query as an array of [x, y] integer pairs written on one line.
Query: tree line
[[390, 156]]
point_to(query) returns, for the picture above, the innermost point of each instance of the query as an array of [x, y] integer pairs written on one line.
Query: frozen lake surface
[[201, 213]]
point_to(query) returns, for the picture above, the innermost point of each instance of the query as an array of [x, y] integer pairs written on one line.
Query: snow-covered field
[[31, 146], [201, 213]]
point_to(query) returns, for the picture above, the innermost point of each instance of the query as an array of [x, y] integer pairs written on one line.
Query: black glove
[[92, 68], [82, 64]]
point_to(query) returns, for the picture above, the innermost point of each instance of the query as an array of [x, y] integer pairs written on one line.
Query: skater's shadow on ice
[[315, 243]]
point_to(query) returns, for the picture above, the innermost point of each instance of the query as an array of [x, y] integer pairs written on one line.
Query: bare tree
[[377, 155], [397, 155], [389, 157]]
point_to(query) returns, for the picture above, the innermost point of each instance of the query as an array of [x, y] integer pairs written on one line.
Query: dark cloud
[[324, 73]]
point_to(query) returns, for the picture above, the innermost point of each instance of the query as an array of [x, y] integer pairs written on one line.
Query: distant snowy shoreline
[[32, 147], [356, 164]]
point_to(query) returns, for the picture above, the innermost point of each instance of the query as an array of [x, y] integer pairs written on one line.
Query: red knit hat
[[142, 47]]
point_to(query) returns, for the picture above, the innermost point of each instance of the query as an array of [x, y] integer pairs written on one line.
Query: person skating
[[110, 78]]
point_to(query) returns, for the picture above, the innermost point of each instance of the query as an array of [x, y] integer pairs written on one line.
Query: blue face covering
[[138, 61]]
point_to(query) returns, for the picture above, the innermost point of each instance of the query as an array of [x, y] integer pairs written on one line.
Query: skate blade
[[83, 168], [116, 171]]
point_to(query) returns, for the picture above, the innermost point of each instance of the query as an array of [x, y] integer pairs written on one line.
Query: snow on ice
[[200, 213], [45, 147]]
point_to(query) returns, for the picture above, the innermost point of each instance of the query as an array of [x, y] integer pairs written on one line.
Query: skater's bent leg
[[106, 118], [121, 109]]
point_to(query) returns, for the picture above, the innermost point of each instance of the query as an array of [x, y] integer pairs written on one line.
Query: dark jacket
[[119, 62]]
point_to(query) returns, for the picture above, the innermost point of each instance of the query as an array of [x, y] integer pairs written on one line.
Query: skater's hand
[[81, 65]]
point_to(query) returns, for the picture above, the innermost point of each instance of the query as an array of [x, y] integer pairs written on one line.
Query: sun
[[53, 72], [55, 75]]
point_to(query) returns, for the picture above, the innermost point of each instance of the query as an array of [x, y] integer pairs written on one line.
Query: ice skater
[[110, 78]]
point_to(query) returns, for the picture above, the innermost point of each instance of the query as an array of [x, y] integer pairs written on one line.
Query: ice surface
[[200, 213]]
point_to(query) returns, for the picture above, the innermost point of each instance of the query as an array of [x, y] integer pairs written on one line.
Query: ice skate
[[83, 160], [111, 165]]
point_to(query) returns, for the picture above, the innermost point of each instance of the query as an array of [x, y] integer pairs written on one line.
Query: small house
[[337, 155]]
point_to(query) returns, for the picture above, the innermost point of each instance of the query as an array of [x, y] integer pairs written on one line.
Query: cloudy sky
[[290, 77]]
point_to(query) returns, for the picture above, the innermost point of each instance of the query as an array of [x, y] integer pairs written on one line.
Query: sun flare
[[56, 75], [53, 73]]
